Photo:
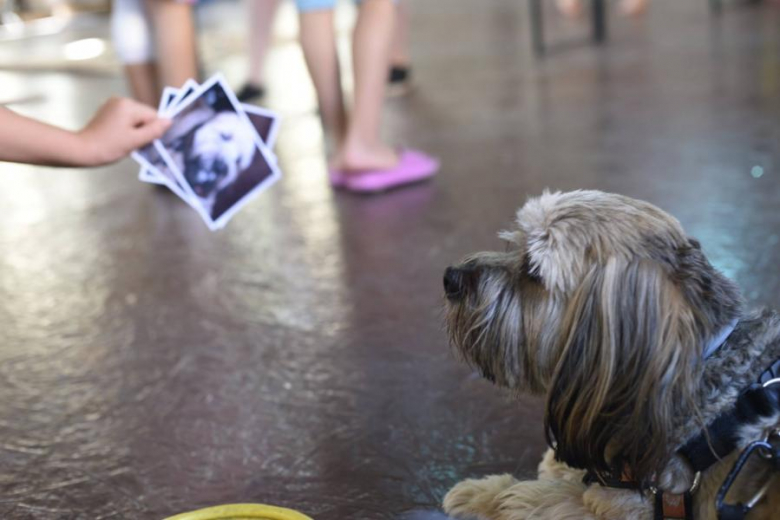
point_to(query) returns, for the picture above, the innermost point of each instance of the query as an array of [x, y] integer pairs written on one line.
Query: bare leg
[[174, 34], [142, 78], [131, 33], [318, 39], [372, 41], [400, 53], [261, 20]]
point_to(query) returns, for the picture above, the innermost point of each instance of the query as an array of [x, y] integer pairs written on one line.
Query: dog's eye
[[226, 137]]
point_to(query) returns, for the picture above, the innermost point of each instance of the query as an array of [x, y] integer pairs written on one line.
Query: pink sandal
[[413, 166], [337, 178]]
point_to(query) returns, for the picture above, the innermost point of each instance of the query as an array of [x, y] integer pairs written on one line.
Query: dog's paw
[[477, 498], [551, 469]]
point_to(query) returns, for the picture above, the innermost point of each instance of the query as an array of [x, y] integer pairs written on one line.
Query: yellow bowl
[[241, 512]]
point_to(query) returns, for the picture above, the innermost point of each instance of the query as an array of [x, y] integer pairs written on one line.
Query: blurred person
[[261, 20], [155, 40], [120, 126], [363, 162], [262, 14], [575, 9]]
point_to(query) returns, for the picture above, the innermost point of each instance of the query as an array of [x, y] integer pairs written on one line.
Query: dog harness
[[759, 401]]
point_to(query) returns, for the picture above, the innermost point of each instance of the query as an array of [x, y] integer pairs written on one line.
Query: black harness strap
[[720, 438], [609, 480]]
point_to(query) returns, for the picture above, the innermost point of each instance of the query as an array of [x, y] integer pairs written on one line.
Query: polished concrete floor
[[149, 367]]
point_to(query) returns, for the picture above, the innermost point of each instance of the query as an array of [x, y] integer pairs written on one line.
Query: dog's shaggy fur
[[604, 305]]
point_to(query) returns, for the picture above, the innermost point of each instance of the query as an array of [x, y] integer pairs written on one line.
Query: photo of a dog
[[216, 153], [213, 154], [604, 306]]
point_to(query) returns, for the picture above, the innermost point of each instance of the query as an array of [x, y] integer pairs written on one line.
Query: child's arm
[[119, 127]]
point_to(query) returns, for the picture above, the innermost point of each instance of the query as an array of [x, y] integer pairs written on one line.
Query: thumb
[[150, 131]]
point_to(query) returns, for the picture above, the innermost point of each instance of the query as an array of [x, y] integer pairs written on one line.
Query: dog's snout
[[453, 283]]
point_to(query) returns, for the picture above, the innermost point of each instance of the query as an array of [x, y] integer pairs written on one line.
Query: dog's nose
[[453, 283]]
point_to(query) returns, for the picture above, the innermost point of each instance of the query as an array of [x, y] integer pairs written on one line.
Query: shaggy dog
[[603, 305]]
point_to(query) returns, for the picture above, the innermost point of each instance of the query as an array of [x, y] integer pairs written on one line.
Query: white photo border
[[152, 175]]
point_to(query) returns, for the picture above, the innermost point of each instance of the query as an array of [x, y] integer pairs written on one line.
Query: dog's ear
[[629, 361]]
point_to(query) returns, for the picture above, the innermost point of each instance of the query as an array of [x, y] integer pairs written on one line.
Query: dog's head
[[217, 152], [602, 303]]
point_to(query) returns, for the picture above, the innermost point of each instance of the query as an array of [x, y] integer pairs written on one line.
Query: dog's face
[[602, 303], [218, 151]]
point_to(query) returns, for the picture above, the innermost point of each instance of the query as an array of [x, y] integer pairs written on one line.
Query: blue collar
[[717, 341]]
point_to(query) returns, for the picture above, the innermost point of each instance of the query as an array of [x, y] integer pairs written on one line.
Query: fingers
[[139, 112], [150, 131]]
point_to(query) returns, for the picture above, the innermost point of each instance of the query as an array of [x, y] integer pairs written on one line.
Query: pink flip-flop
[[337, 178], [413, 166]]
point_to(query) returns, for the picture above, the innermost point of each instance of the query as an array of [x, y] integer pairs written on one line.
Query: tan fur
[[604, 305]]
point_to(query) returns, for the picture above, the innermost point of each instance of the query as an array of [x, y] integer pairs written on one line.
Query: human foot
[[250, 92], [399, 80], [570, 8], [633, 7], [413, 166], [355, 159]]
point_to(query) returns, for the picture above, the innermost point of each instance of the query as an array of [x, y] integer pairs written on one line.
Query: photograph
[[265, 122], [149, 175], [149, 158], [152, 175], [216, 153], [177, 96]]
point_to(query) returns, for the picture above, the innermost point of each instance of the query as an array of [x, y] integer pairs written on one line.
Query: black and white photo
[[216, 153]]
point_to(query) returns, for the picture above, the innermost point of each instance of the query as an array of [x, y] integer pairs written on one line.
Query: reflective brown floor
[[148, 366]]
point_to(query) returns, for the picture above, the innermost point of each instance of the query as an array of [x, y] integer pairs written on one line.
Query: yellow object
[[242, 512]]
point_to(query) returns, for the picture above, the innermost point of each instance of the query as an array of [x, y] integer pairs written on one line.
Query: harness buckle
[[773, 454], [767, 449], [694, 486], [775, 381]]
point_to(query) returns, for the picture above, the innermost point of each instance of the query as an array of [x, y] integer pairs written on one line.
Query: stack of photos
[[217, 153]]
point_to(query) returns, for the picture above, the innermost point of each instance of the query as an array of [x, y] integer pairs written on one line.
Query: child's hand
[[120, 126]]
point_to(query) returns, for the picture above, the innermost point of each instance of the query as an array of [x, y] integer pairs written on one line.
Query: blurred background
[[149, 366]]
